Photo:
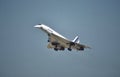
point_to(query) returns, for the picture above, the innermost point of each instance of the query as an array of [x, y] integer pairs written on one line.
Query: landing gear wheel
[[48, 40], [55, 49], [69, 49]]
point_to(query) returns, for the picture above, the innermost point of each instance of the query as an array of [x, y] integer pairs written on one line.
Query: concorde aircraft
[[58, 42]]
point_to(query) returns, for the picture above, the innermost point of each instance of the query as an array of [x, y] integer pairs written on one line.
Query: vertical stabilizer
[[76, 39]]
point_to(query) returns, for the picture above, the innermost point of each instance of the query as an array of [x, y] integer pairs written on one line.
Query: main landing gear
[[69, 49], [55, 49]]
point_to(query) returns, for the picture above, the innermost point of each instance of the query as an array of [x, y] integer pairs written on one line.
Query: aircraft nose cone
[[38, 26]]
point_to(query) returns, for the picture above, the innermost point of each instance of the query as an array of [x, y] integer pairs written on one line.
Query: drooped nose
[[38, 26]]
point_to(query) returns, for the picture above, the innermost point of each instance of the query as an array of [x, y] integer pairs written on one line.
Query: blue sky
[[23, 51]]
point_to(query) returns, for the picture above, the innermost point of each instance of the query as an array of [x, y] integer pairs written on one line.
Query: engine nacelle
[[57, 46], [55, 43]]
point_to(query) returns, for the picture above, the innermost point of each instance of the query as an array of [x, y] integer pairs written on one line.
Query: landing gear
[[57, 46], [55, 49], [70, 44], [62, 48], [48, 40], [69, 49]]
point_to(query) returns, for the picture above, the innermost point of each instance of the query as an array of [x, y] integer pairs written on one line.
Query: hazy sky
[[23, 51]]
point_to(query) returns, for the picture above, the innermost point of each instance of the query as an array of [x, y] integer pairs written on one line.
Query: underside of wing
[[57, 42], [62, 41]]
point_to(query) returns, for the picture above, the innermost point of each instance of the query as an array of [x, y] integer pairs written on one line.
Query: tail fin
[[76, 39]]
